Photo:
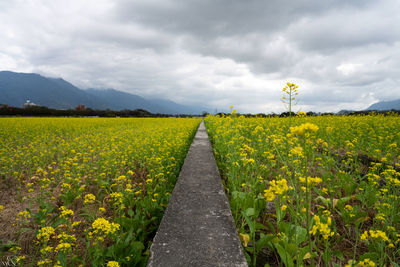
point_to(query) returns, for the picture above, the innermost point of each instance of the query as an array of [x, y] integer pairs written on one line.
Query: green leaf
[[291, 248], [249, 222], [302, 253], [131, 213], [369, 255], [137, 245], [6, 247], [301, 234], [323, 200], [338, 254], [285, 257], [265, 240], [259, 226], [250, 212]]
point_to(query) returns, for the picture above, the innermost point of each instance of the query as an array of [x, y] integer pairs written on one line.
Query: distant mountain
[[180, 109], [16, 88], [345, 112], [120, 100], [386, 105]]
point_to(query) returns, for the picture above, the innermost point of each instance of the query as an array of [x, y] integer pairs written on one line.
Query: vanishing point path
[[197, 228]]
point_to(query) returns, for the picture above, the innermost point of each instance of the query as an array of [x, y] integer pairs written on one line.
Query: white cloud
[[349, 68]]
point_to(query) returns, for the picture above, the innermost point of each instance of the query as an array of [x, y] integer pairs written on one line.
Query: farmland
[[318, 191], [90, 192]]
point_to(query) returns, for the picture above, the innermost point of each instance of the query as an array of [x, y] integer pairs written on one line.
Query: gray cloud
[[343, 54]]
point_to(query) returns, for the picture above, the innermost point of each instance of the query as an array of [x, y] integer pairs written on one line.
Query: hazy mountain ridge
[[121, 100], [16, 88], [385, 105]]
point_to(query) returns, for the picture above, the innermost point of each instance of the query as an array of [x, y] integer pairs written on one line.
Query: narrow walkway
[[197, 228]]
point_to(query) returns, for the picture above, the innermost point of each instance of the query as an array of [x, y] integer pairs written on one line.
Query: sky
[[343, 54]]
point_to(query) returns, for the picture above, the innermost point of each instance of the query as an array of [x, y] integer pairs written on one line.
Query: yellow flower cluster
[[296, 151], [44, 262], [66, 212], [301, 114], [366, 262], [304, 128], [322, 228], [277, 188], [89, 199], [120, 179], [117, 197], [45, 233], [290, 87], [376, 235], [112, 264], [23, 216], [102, 226], [63, 247], [311, 181]]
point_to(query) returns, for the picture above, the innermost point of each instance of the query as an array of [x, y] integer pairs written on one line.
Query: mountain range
[[385, 105], [17, 88]]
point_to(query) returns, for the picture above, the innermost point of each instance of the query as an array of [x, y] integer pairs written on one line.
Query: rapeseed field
[[312, 191], [86, 191]]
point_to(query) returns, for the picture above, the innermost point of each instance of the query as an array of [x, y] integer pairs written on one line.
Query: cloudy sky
[[343, 54]]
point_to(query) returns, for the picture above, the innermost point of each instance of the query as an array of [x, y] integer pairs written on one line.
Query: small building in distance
[[28, 104], [80, 107]]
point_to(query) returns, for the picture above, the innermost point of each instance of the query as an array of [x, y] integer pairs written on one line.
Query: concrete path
[[197, 228]]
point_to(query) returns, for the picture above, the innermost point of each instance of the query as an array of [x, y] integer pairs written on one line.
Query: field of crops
[[90, 192], [320, 191]]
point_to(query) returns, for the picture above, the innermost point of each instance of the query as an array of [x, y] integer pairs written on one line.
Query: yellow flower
[[89, 199], [366, 262], [76, 223], [311, 181], [322, 228], [376, 235], [348, 207], [1, 207], [23, 216], [102, 226], [66, 212], [297, 151], [117, 197], [284, 207], [43, 262], [46, 250], [277, 188], [304, 128], [45, 233], [301, 114], [63, 247], [112, 264], [269, 195], [245, 239], [120, 179], [20, 259]]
